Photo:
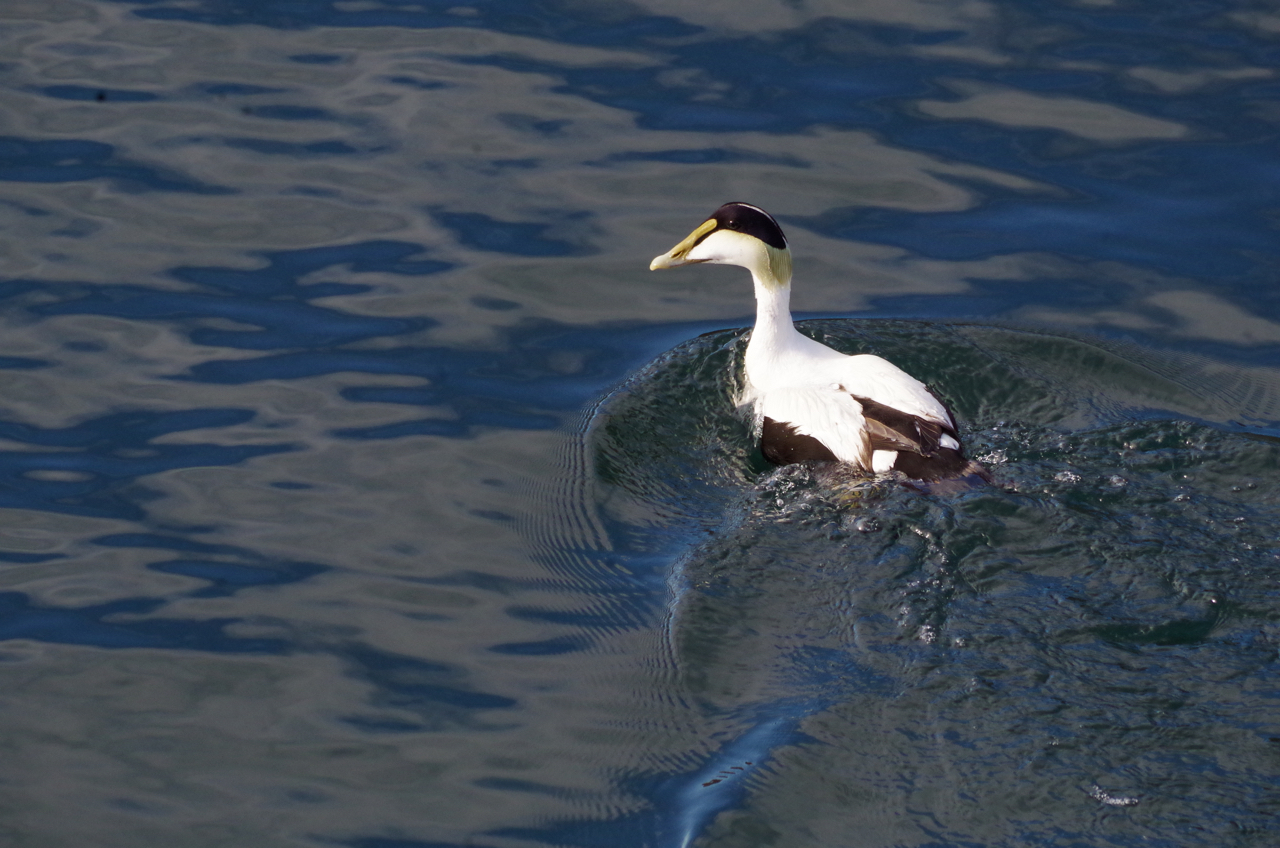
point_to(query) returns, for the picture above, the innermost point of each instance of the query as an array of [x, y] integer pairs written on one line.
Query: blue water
[[361, 486]]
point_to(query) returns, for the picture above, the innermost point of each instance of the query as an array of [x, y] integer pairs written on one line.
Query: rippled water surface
[[362, 487]]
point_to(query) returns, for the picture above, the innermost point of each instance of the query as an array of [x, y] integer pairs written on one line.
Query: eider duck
[[809, 402]]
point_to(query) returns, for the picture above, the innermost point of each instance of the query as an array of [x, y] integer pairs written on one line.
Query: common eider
[[809, 402]]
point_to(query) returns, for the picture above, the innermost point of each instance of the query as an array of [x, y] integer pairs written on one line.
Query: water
[[1016, 664], [362, 487]]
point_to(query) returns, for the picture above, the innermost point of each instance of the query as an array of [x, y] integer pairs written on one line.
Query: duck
[[809, 402]]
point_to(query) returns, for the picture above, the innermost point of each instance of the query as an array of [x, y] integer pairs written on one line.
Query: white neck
[[773, 313], [775, 340]]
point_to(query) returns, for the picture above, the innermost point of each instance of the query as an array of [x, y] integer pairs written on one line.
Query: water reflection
[[301, 296], [90, 462]]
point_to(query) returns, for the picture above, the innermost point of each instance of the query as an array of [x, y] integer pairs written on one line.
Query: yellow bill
[[676, 255]]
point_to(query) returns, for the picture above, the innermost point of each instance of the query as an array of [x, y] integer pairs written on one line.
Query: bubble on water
[[1117, 481], [867, 524], [1067, 477], [1099, 794]]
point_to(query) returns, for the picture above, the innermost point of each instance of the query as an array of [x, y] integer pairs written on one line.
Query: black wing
[[918, 443], [893, 429], [782, 445]]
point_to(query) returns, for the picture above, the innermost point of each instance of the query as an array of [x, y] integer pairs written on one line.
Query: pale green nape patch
[[779, 265]]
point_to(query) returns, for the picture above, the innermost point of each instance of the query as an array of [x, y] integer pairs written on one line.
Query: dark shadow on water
[[104, 456], [393, 842], [72, 160], [272, 299], [419, 695], [292, 149], [1222, 212], [99, 95], [482, 232], [113, 625], [513, 386], [235, 569], [601, 27]]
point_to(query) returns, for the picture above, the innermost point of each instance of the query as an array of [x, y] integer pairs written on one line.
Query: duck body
[[809, 402]]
